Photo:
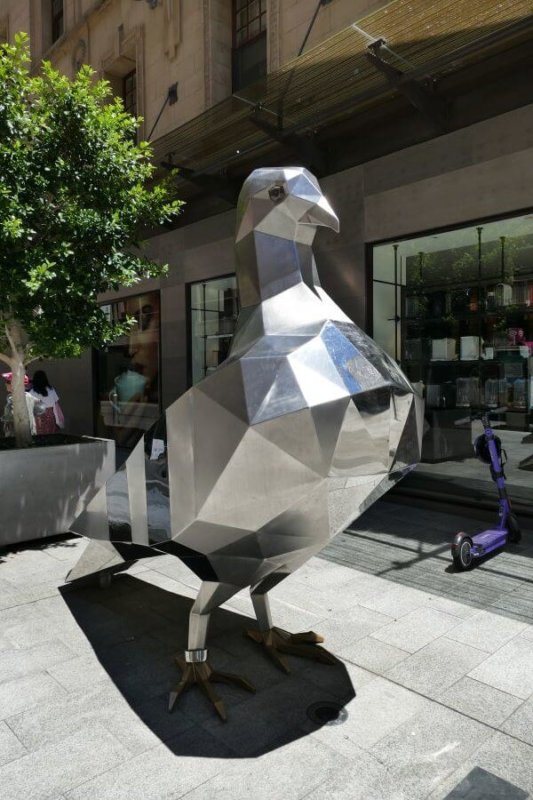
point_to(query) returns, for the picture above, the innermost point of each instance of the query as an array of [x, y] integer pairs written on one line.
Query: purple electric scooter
[[467, 548]]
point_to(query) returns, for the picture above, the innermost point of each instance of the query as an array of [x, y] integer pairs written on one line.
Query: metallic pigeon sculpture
[[250, 472]]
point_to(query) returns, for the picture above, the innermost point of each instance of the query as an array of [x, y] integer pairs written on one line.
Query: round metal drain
[[327, 713]]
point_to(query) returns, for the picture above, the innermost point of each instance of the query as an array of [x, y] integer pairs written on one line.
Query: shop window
[[128, 385], [249, 42], [455, 308], [56, 11], [213, 315]]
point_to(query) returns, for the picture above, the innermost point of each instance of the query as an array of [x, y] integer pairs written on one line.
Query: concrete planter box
[[44, 488]]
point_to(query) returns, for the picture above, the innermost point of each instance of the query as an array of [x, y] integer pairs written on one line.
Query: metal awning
[[406, 44]]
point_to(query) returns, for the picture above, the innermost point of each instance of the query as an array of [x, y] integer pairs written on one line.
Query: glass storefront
[[128, 392], [214, 308], [455, 309]]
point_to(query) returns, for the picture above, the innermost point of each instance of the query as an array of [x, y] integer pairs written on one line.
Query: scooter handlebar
[[479, 414]]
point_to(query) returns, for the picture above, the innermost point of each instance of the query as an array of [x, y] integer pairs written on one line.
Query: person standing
[[52, 420], [35, 407]]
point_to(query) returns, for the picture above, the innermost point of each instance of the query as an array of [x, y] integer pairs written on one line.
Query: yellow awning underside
[[335, 79]]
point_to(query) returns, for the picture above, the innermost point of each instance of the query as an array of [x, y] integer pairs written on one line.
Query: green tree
[[74, 199]]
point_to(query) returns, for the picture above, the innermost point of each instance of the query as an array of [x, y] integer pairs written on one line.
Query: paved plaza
[[434, 679]]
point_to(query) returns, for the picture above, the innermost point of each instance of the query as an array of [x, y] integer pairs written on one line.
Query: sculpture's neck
[[268, 265]]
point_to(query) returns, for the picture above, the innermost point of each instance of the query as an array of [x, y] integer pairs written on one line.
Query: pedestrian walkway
[[432, 696]]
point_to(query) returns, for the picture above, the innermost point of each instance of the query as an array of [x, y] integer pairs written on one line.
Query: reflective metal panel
[[288, 441]]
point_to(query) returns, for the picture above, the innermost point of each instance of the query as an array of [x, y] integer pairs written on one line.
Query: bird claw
[[201, 674], [277, 641]]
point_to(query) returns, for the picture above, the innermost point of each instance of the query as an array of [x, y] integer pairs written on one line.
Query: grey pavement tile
[[166, 772], [328, 678], [287, 773], [396, 600], [63, 716], [480, 784], [487, 631], [510, 669], [16, 663], [425, 749], [527, 633], [365, 779], [502, 756], [68, 550], [343, 629], [22, 693], [520, 724], [480, 701], [320, 601], [79, 673], [61, 765], [255, 725], [10, 747], [379, 707], [373, 655], [436, 667], [416, 629], [449, 606]]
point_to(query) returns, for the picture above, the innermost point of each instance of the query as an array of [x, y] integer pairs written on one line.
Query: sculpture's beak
[[322, 214]]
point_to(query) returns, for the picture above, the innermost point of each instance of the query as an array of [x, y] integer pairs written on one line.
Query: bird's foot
[[200, 673], [277, 641]]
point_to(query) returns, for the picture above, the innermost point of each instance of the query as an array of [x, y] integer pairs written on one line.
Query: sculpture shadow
[[136, 629]]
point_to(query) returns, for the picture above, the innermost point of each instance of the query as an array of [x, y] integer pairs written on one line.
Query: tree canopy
[[75, 196]]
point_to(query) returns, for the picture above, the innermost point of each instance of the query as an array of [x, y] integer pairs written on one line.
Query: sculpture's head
[[286, 202]]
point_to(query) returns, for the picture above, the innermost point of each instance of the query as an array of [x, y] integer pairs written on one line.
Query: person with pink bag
[[52, 420]]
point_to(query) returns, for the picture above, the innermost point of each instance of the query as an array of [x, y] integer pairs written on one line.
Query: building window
[[129, 92], [213, 312], [128, 392], [455, 308], [249, 42], [57, 19]]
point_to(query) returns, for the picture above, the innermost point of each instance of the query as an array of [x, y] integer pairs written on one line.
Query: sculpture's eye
[[276, 194]]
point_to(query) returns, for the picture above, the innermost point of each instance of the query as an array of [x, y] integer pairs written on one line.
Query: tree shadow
[[136, 629]]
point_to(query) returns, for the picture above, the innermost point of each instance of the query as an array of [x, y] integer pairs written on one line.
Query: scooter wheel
[[513, 527], [463, 558]]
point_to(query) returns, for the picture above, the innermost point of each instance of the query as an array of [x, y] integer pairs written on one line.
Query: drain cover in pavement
[[327, 713]]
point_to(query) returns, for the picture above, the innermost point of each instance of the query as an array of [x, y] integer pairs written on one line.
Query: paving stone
[[287, 773], [62, 716], [166, 772], [20, 662], [449, 606], [486, 631], [10, 747], [373, 655], [501, 756], [414, 630], [22, 693], [510, 669], [61, 765], [328, 678], [482, 785], [396, 601], [378, 708], [436, 667], [520, 724], [79, 673], [350, 626], [480, 701], [527, 633], [365, 779], [425, 749]]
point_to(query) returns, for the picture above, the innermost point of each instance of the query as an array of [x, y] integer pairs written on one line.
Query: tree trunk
[[21, 418]]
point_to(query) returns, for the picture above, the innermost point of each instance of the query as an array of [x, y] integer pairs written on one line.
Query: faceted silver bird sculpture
[[253, 470]]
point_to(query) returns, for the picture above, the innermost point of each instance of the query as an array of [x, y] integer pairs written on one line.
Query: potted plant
[[74, 198]]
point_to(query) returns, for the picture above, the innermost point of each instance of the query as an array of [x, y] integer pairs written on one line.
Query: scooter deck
[[489, 540]]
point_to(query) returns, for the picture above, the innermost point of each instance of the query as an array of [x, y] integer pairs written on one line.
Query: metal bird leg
[[194, 666], [277, 641]]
